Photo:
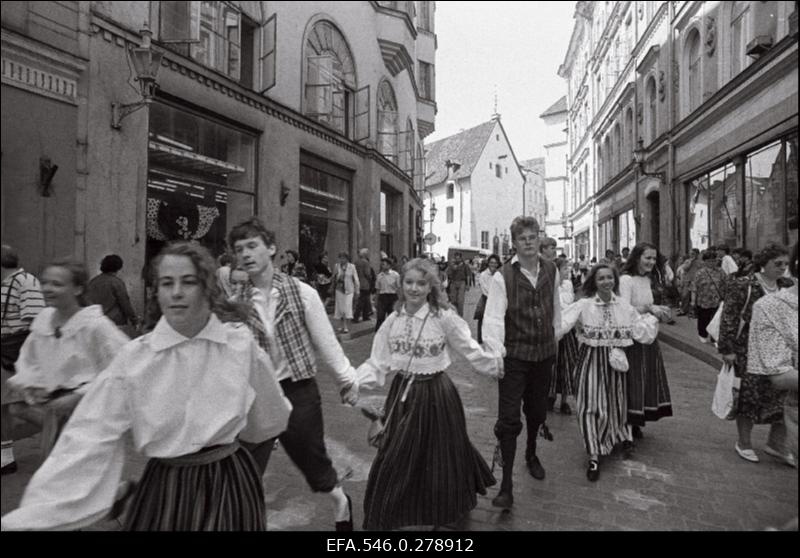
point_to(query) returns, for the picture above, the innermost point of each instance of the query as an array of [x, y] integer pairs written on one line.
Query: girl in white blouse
[[184, 394], [426, 472], [69, 345], [603, 323]]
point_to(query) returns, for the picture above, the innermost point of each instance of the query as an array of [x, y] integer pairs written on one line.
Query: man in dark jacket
[[110, 292]]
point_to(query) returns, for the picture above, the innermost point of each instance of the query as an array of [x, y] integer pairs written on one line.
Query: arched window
[[617, 149], [740, 13], [609, 156], [387, 121], [600, 167], [330, 78], [407, 149], [651, 110], [695, 84]]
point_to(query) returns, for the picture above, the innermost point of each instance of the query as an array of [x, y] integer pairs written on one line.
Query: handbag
[[376, 436], [713, 326], [726, 393], [11, 344]]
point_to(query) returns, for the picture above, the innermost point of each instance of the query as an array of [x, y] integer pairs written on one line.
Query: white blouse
[[174, 396], [612, 324], [566, 293], [485, 281], [87, 344], [395, 340], [636, 290]]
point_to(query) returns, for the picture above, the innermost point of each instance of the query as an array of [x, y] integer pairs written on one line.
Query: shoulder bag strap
[[8, 295], [741, 314]]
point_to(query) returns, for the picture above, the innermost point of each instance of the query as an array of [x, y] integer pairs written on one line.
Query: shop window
[[325, 209], [200, 180]]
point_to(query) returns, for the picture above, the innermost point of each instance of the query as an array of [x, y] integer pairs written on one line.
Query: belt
[[422, 377], [205, 456]]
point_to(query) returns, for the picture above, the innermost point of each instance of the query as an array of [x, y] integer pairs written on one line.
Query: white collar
[[43, 323], [420, 314], [165, 337]]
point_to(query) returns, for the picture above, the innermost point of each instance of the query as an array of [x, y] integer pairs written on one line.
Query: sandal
[[746, 454]]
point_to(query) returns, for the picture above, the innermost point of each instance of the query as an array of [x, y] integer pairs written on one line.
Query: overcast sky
[[517, 46]]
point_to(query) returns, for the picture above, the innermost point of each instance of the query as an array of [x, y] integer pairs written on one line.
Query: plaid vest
[[294, 343], [530, 335]]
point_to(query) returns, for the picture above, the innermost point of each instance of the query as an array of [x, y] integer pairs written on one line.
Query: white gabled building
[[475, 182]]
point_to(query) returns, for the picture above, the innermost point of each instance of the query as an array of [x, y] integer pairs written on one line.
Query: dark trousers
[[704, 316], [385, 307], [363, 306], [304, 438], [527, 383]]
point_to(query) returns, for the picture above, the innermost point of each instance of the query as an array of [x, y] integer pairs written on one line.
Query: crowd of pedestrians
[[225, 365]]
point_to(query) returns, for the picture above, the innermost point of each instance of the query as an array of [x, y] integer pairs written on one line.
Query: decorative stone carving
[[711, 35], [662, 86]]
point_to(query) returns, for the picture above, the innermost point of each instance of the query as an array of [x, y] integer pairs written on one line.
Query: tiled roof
[[532, 163], [465, 147], [557, 107]]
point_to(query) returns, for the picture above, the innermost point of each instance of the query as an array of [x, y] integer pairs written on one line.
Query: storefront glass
[[200, 180]]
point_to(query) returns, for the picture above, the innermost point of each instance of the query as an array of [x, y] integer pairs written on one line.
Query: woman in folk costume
[[648, 390], [426, 472], [604, 323], [185, 393], [70, 343], [562, 380]]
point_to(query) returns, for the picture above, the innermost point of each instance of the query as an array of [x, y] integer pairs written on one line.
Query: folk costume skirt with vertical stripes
[[216, 489], [648, 390], [427, 472], [562, 379], [602, 412]]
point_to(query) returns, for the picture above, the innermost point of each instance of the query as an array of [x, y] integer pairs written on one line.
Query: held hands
[[349, 394], [729, 359], [35, 396]]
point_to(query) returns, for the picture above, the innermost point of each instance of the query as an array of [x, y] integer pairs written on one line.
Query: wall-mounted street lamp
[[639, 155], [146, 63]]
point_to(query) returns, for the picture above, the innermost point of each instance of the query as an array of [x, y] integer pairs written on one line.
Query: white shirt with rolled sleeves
[[319, 329], [494, 318], [171, 396]]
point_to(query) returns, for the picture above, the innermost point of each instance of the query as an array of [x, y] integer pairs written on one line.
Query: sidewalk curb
[[688, 348]]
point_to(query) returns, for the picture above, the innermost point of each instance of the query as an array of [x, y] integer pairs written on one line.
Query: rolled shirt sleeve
[[324, 339], [460, 340]]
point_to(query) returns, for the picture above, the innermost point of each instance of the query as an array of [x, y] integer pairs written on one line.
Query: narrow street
[[685, 474]]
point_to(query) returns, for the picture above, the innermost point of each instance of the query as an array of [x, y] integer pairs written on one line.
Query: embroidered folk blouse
[[612, 324], [171, 396], [394, 344]]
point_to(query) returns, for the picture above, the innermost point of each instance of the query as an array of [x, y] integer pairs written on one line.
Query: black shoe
[[503, 500], [593, 472], [346, 525], [535, 468], [637, 433], [565, 409], [8, 469], [627, 449]]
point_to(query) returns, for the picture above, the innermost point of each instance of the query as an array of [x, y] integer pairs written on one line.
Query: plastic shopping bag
[[726, 393], [713, 326]]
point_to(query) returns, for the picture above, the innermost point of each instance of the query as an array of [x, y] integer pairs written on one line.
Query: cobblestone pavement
[[685, 474]]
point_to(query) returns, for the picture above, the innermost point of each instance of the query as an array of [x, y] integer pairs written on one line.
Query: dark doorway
[[653, 203]]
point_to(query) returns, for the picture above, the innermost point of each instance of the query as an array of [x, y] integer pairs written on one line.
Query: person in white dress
[[426, 472], [70, 343], [604, 323], [484, 282], [184, 395]]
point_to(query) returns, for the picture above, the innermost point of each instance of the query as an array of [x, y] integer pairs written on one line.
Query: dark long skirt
[[648, 390], [602, 412], [427, 471], [562, 379], [216, 489]]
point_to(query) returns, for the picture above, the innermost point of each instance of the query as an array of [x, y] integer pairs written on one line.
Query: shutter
[[362, 126], [180, 22], [319, 76], [267, 52]]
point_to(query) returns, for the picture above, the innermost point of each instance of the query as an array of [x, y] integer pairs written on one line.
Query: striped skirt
[[602, 412], [216, 489], [427, 472], [562, 378], [648, 390]]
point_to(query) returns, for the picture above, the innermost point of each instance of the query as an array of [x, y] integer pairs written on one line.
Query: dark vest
[[529, 317]]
